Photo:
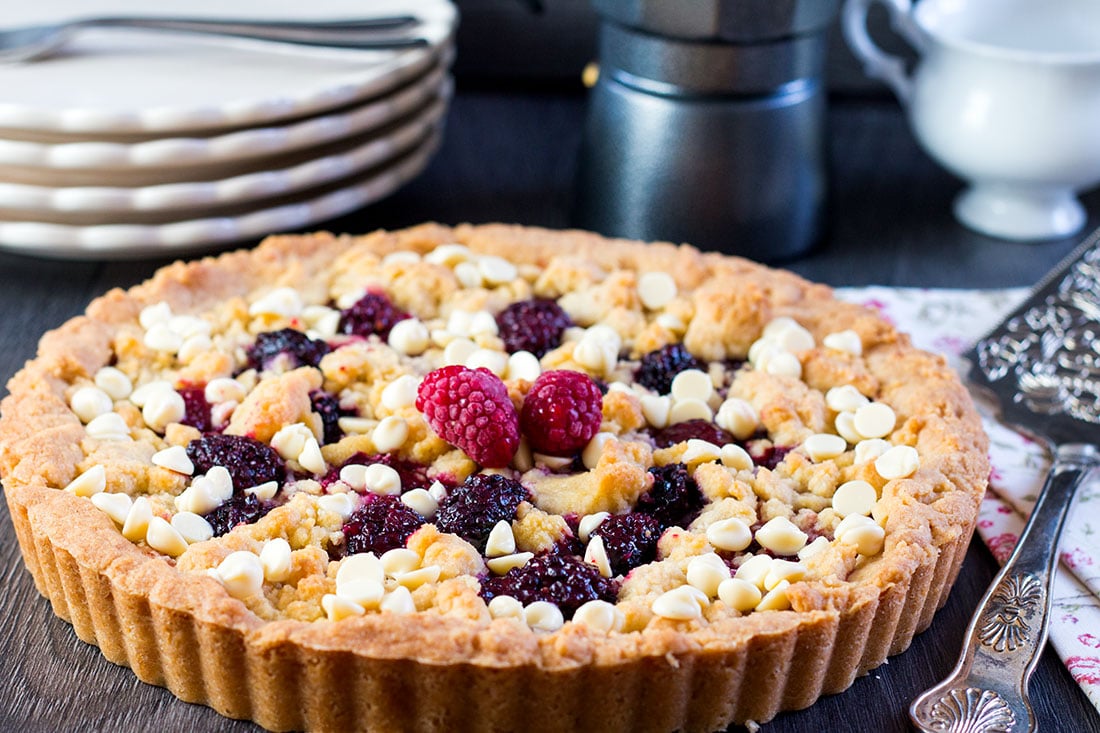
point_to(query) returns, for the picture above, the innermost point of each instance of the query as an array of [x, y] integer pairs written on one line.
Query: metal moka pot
[[707, 124]]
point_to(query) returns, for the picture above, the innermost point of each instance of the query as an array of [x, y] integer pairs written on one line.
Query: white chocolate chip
[[784, 364], [90, 402], [366, 593], [656, 289], [589, 523], [543, 616], [789, 335], [494, 361], [137, 520], [156, 313], [141, 395], [401, 392], [278, 302], [193, 347], [671, 322], [223, 389], [496, 270], [813, 549], [683, 603], [591, 355], [275, 558], [310, 458], [700, 451], [164, 538], [776, 599], [174, 458], [458, 351], [421, 502], [754, 570], [781, 570], [192, 527], [438, 491], [161, 338], [739, 594], [381, 479], [596, 554], [875, 420], [898, 462], [554, 463], [656, 410], [738, 418], [869, 450], [692, 384], [863, 532], [523, 365], [110, 426], [399, 560], [222, 412], [399, 600], [781, 536], [590, 456], [401, 256], [706, 572], [337, 608], [115, 506], [290, 440], [361, 566], [89, 483], [114, 382], [342, 504], [355, 476], [735, 457], [730, 534], [356, 425], [504, 563], [846, 426], [416, 578], [468, 275], [506, 607], [198, 498], [501, 541], [409, 337], [265, 491], [845, 399], [824, 446], [482, 323], [689, 409], [600, 616], [847, 341], [188, 326], [854, 497], [448, 254], [163, 408], [390, 434]]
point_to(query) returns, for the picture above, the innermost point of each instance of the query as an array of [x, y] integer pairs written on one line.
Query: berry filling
[[556, 577], [196, 409], [674, 500], [382, 523], [371, 314], [771, 456], [240, 509], [630, 540], [561, 412], [291, 344], [689, 429], [658, 368], [532, 325], [470, 409], [413, 475], [249, 462], [473, 509], [328, 407]]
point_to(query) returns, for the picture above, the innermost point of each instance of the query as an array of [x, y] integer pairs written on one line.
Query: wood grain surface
[[509, 156]]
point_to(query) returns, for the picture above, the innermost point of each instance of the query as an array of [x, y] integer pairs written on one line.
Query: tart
[[442, 477]]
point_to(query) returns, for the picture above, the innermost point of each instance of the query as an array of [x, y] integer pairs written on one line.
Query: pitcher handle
[[877, 63]]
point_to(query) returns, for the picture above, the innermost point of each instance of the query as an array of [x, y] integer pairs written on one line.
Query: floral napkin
[[949, 322]]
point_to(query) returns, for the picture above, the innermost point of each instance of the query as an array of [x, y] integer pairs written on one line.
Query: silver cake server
[[1043, 365]]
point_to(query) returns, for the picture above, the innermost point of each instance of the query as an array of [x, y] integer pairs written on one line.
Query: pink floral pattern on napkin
[[948, 322]]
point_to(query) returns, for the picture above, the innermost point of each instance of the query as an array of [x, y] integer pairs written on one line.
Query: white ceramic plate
[[111, 81], [104, 204], [256, 142], [130, 240]]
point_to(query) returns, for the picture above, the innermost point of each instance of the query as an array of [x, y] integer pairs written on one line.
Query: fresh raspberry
[[470, 409], [473, 509], [630, 540], [561, 413], [249, 462], [299, 349], [532, 325], [660, 367], [681, 431], [562, 579], [674, 499], [382, 523], [371, 314]]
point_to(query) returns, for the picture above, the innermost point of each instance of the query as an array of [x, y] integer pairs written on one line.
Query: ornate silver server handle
[[987, 691]]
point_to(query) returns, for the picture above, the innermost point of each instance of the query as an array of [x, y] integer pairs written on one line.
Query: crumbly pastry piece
[[439, 478]]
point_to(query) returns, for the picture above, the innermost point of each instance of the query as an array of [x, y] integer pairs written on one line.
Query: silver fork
[[29, 43]]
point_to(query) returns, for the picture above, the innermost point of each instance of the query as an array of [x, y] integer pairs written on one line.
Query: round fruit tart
[[489, 477]]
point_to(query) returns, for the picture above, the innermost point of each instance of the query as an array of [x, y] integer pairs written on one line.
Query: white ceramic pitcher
[[1006, 95]]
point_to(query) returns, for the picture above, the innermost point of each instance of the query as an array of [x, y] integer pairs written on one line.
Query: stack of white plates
[[136, 143]]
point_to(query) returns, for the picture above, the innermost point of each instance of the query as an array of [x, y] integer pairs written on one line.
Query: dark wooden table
[[509, 156]]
